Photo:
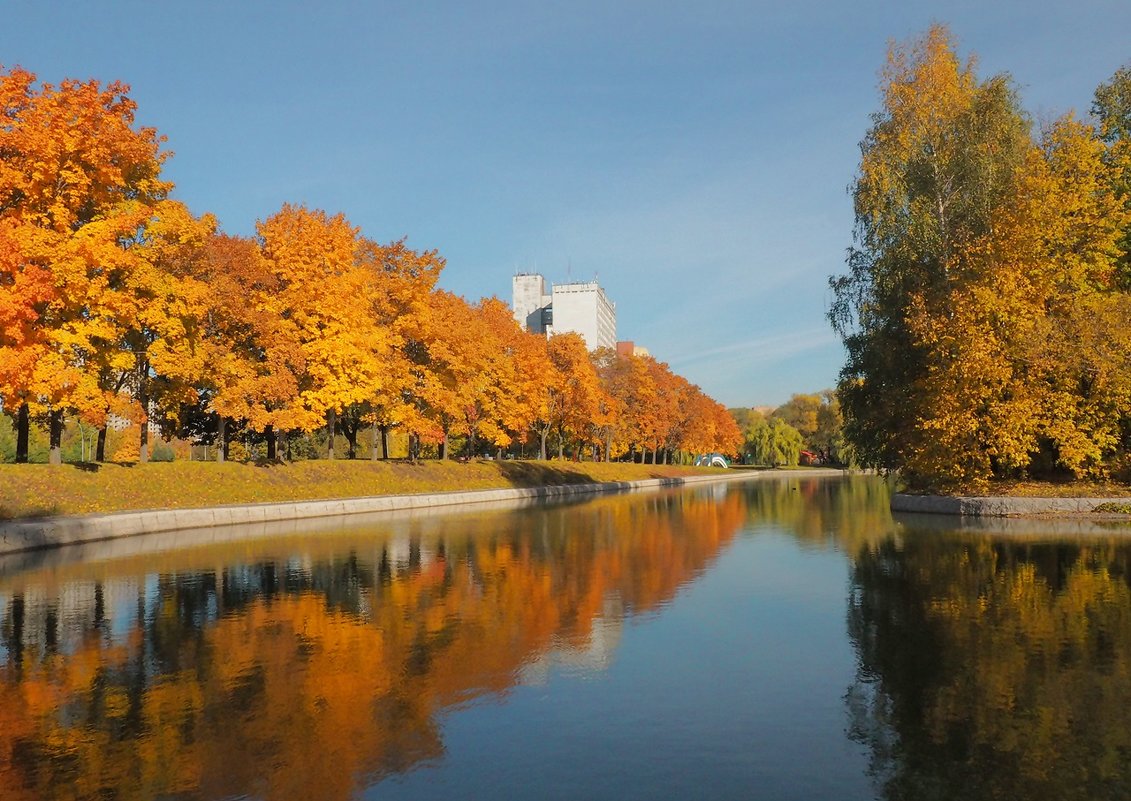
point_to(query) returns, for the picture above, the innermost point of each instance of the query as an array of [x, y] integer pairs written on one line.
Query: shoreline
[[1003, 506], [57, 531]]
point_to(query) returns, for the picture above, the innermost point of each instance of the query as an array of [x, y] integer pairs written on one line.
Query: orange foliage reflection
[[297, 676]]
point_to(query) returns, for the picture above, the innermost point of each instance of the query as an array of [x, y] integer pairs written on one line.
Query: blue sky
[[694, 156]]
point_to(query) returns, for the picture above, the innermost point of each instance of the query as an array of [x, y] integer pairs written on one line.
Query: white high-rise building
[[530, 302], [580, 307]]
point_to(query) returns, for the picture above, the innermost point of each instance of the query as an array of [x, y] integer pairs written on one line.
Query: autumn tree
[[706, 426], [73, 158], [1112, 110], [464, 390], [534, 376], [332, 349], [161, 313], [250, 357], [632, 391], [400, 283], [613, 373], [574, 395], [971, 236], [939, 157], [659, 415], [26, 290]]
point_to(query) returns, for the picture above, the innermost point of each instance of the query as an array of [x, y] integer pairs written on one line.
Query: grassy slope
[[33, 490], [1060, 489]]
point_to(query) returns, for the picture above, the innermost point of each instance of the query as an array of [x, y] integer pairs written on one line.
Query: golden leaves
[[107, 286], [981, 253]]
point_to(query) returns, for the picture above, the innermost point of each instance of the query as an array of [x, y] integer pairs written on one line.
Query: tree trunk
[[373, 446], [385, 442], [331, 424], [272, 443], [608, 447], [56, 433], [561, 447], [221, 438], [351, 440], [23, 429], [143, 447], [542, 452], [100, 448], [444, 446]]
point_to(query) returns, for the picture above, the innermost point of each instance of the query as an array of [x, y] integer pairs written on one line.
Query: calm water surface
[[781, 640]]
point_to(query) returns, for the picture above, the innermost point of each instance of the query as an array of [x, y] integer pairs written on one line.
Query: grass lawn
[[30, 490], [1059, 489]]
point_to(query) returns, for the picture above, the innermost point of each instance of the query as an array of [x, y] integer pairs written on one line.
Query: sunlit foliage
[[118, 305], [983, 314]]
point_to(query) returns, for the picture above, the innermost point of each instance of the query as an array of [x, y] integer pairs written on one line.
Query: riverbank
[[37, 490], [1010, 505], [52, 531]]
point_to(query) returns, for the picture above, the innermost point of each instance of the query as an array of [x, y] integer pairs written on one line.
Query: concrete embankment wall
[[995, 506], [48, 532]]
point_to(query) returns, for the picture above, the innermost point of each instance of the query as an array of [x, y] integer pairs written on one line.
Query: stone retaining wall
[[995, 506], [48, 532]]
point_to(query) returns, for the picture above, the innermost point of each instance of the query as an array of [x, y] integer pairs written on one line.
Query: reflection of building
[[595, 655], [579, 307], [59, 618]]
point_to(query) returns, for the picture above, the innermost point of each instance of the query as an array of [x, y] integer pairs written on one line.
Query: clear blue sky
[[694, 156]]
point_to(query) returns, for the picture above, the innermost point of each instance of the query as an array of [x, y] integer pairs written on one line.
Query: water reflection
[[993, 667], [994, 656], [992, 661], [309, 669], [845, 513]]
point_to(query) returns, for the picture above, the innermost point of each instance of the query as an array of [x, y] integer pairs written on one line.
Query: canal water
[[779, 639]]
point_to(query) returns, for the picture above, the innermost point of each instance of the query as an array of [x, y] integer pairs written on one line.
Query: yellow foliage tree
[[975, 242]]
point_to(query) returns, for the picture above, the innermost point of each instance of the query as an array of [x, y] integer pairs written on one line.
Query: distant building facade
[[583, 308], [629, 348]]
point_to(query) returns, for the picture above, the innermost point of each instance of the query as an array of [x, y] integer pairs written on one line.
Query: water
[[780, 640]]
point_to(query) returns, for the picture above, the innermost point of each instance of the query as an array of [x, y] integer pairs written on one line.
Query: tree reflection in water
[[310, 669], [990, 666], [993, 667]]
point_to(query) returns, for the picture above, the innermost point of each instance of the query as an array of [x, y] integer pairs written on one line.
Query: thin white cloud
[[764, 349]]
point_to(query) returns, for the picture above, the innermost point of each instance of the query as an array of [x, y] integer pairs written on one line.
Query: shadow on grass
[[28, 514], [535, 474]]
